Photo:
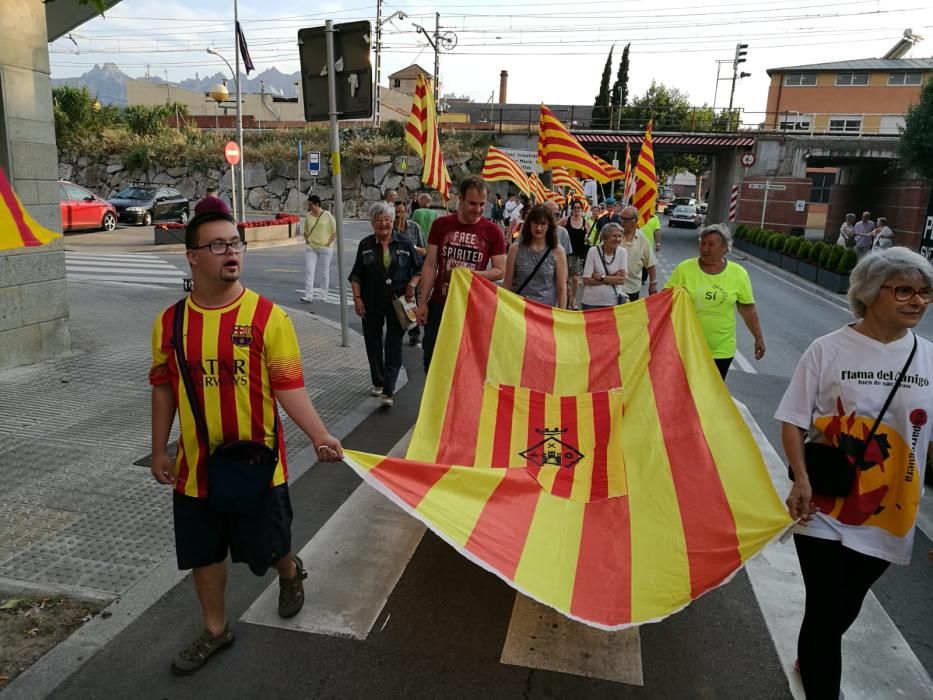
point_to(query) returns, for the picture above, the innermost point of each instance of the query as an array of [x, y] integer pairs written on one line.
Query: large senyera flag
[[421, 135], [561, 178], [595, 461], [558, 147], [646, 180], [499, 166], [17, 228], [613, 172], [538, 190]]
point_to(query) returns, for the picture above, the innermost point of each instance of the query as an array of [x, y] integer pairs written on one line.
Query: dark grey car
[[145, 204]]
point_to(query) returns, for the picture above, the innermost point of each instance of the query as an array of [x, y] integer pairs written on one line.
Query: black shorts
[[203, 536]]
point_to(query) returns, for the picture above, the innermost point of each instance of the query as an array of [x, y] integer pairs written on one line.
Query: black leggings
[[837, 580]]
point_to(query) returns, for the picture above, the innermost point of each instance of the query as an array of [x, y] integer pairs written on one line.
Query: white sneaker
[[387, 402], [376, 390], [306, 300]]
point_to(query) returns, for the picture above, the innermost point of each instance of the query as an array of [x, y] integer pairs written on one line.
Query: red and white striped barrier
[[733, 202]]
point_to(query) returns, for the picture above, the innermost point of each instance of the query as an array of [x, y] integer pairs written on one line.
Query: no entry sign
[[232, 152]]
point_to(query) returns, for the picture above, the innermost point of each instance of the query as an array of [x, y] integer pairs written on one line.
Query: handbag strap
[[316, 222], [599, 250], [890, 398], [547, 251], [184, 372]]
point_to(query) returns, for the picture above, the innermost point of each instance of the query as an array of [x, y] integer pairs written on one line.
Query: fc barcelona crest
[[242, 335], [551, 451]]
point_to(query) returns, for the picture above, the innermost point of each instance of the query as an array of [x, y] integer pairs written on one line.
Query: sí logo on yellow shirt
[[242, 335]]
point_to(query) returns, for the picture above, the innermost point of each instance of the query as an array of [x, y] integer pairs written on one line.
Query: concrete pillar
[[720, 186], [33, 292]]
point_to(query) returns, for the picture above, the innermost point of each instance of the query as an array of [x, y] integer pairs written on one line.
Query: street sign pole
[[336, 180], [299, 188]]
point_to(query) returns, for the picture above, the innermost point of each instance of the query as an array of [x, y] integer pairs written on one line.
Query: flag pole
[[239, 109]]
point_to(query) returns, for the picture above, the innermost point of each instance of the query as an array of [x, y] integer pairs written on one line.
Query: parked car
[[679, 201], [83, 210], [685, 215], [144, 204], [702, 207]]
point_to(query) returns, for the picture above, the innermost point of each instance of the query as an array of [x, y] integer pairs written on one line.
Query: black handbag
[[238, 473], [829, 468]]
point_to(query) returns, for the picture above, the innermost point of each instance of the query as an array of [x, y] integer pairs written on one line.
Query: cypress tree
[[620, 88], [601, 105]]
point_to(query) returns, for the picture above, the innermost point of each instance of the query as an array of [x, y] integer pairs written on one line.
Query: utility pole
[[336, 179], [239, 110], [378, 49], [437, 53], [741, 50]]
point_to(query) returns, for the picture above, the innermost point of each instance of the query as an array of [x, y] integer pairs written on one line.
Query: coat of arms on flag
[[594, 460]]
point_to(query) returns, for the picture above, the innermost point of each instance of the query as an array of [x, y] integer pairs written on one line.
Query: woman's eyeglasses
[[905, 293]]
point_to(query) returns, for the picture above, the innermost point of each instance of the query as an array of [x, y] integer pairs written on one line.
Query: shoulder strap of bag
[[184, 372], [890, 398], [537, 266], [599, 250], [316, 222]]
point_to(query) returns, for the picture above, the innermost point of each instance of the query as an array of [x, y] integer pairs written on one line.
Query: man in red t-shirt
[[464, 239]]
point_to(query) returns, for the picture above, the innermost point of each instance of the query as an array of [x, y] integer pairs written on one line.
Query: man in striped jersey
[[244, 361]]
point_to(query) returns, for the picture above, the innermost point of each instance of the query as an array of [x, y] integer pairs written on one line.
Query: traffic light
[[741, 50]]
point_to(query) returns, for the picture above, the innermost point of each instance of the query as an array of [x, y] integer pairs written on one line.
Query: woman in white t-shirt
[[837, 392], [604, 270]]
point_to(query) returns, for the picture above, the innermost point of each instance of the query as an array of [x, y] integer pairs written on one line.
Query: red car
[[82, 209]]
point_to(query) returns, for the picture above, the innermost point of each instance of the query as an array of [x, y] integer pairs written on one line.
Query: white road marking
[[115, 270], [877, 662], [121, 267], [354, 563], [121, 278], [540, 637], [744, 364]]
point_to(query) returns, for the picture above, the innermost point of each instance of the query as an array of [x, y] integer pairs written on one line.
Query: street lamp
[[237, 192]]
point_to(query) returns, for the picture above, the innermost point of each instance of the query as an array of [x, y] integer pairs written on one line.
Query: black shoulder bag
[[238, 473], [829, 469], [536, 268], [620, 297]]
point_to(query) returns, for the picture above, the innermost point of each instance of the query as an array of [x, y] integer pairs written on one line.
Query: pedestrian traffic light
[[741, 50]]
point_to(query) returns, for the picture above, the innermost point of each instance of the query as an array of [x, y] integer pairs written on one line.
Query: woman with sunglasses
[[837, 394]]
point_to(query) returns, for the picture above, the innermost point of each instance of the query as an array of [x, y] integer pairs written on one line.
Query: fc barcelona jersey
[[239, 356]]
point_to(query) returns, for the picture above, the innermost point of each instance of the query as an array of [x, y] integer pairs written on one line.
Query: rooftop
[[879, 64]]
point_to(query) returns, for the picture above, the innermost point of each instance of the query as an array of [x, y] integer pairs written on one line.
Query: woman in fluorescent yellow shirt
[[719, 288]]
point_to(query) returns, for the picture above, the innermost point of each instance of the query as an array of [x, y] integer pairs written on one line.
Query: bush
[[835, 255], [847, 262], [792, 246], [758, 236], [804, 250], [776, 241], [815, 252], [741, 232]]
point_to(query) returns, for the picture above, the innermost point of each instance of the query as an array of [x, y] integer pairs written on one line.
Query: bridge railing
[[502, 119]]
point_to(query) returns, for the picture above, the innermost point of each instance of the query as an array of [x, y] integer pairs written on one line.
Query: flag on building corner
[[646, 180], [244, 51], [594, 461], [17, 228], [421, 135]]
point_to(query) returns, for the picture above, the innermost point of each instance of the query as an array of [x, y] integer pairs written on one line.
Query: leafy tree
[[620, 86], [916, 144], [96, 4], [601, 104], [78, 113], [145, 120]]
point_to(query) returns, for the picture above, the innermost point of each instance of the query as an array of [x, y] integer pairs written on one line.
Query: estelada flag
[[17, 228], [594, 461], [500, 166], [421, 135]]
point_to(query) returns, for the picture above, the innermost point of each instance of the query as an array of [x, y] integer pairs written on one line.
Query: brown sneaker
[[292, 591], [196, 654]]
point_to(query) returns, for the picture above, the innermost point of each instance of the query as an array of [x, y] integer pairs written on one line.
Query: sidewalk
[[79, 514]]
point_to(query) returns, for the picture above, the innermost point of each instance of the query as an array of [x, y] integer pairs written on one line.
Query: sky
[[554, 51]]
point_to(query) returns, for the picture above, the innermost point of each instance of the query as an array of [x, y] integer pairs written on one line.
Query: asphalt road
[[448, 619]]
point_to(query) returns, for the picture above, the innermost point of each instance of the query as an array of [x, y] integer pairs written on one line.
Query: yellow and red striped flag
[[628, 189], [558, 147], [17, 228], [561, 178], [499, 166], [594, 461], [646, 180], [611, 170], [538, 190], [421, 135]]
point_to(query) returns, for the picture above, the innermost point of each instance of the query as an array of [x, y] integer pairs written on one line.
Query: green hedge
[[847, 262], [816, 252], [804, 250]]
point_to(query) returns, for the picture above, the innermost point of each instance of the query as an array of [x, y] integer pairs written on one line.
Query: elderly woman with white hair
[[387, 266], [861, 399], [719, 287]]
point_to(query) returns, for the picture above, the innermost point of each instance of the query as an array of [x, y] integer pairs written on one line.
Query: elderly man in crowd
[[864, 232]]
